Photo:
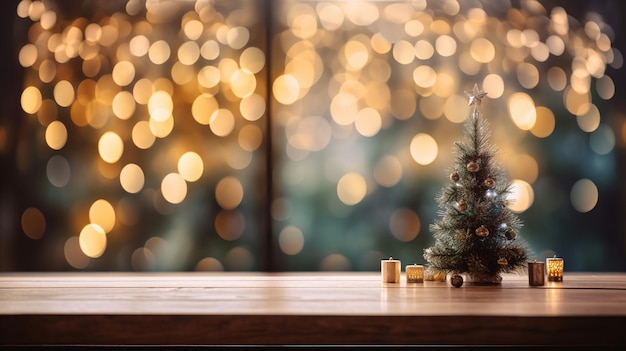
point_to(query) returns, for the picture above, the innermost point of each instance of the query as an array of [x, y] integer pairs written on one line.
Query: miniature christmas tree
[[476, 232]]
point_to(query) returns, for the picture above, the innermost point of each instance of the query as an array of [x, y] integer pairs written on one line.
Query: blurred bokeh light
[[300, 135], [363, 135], [149, 119]]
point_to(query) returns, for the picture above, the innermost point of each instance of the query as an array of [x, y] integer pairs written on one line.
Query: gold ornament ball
[[473, 167], [454, 177], [456, 281], [511, 234], [503, 261], [489, 182], [461, 206], [482, 231]]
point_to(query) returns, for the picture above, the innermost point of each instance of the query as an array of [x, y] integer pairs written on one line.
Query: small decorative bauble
[[454, 177], [482, 231], [473, 167], [503, 261], [489, 182], [456, 281], [461, 206], [511, 234]]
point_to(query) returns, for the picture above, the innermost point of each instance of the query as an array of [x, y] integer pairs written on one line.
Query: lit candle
[[390, 270], [414, 273], [536, 273], [554, 266]]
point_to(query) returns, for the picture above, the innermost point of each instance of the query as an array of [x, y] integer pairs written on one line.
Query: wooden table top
[[306, 308]]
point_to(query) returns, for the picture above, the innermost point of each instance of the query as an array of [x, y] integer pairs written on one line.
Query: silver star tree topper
[[476, 95]]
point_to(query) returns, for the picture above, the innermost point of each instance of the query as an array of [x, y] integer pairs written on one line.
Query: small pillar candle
[[414, 273], [433, 275], [390, 270], [536, 273], [554, 266]]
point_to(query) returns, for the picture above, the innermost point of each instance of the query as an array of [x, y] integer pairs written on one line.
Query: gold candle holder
[[554, 267], [390, 270], [536, 273], [434, 275], [414, 273]]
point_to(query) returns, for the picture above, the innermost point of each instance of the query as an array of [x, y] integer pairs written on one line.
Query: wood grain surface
[[306, 309]]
